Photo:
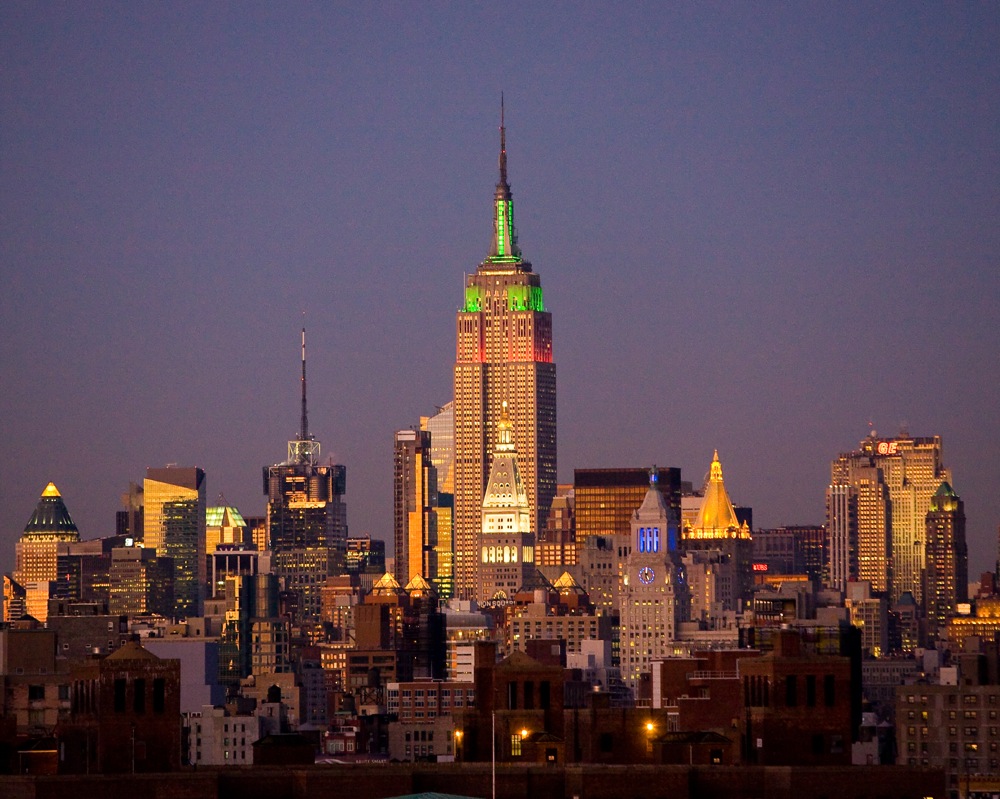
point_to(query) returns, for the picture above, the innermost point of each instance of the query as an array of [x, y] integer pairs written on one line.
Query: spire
[[716, 517], [505, 432], [305, 448], [503, 152], [304, 433], [504, 249]]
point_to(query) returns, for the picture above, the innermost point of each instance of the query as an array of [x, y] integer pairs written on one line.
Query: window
[[139, 696], [36, 693], [515, 745], [791, 691], [810, 690], [159, 695], [120, 695], [829, 695]]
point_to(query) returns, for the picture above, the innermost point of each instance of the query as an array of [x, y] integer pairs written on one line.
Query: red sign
[[760, 567]]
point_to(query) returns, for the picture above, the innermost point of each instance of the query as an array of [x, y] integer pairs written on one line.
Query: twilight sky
[[758, 227]]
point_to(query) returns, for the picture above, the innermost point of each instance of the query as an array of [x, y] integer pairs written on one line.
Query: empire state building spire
[[505, 249]]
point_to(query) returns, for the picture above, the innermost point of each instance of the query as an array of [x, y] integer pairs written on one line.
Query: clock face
[[646, 575]]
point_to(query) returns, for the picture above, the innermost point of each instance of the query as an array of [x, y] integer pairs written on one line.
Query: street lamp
[[458, 744]]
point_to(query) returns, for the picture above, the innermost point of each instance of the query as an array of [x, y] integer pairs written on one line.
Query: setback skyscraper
[[892, 482], [504, 353], [306, 515]]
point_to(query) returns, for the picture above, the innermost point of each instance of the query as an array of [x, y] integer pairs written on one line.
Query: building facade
[[503, 353], [654, 596], [414, 506], [306, 515], [174, 526], [946, 579], [892, 480]]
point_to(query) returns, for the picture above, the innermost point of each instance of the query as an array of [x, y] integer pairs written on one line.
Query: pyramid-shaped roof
[[51, 517], [419, 585], [386, 584], [716, 517], [132, 650]]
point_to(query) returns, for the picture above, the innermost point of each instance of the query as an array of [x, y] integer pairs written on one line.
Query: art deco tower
[[504, 352], [946, 574]]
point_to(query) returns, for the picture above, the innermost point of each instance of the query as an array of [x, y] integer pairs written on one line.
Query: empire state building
[[504, 354]]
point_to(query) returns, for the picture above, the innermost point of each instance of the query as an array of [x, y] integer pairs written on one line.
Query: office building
[[893, 480], [306, 515], [414, 506], [46, 537], [503, 353], [605, 499], [947, 558], [441, 427], [174, 527]]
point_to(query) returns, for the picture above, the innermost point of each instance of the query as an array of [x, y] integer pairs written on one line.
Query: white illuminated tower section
[[504, 352], [507, 546], [654, 597]]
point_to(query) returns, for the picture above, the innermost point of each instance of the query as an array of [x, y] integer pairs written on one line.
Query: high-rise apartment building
[[414, 505], [946, 582], [503, 353], [892, 481], [306, 515], [174, 527]]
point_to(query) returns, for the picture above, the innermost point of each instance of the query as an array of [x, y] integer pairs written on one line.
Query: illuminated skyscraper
[[718, 549], [441, 426], [894, 480], [414, 505], [174, 526], [46, 537], [504, 352], [947, 557], [306, 515], [507, 549]]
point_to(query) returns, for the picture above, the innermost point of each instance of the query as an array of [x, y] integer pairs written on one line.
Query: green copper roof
[[51, 516]]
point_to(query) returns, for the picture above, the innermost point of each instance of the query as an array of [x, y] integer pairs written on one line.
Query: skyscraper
[[441, 426], [174, 526], [306, 515], [46, 537], [893, 481], [414, 505], [718, 548], [503, 353], [947, 558], [654, 599]]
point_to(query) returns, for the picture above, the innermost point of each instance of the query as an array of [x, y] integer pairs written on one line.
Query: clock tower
[[654, 595]]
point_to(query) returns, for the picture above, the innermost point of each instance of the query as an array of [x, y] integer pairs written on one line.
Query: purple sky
[[758, 226]]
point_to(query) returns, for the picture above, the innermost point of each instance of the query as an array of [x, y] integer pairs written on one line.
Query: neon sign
[[887, 447]]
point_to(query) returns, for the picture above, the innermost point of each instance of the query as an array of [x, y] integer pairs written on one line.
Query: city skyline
[[759, 229]]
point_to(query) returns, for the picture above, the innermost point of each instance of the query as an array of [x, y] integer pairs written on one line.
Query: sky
[[760, 227]]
